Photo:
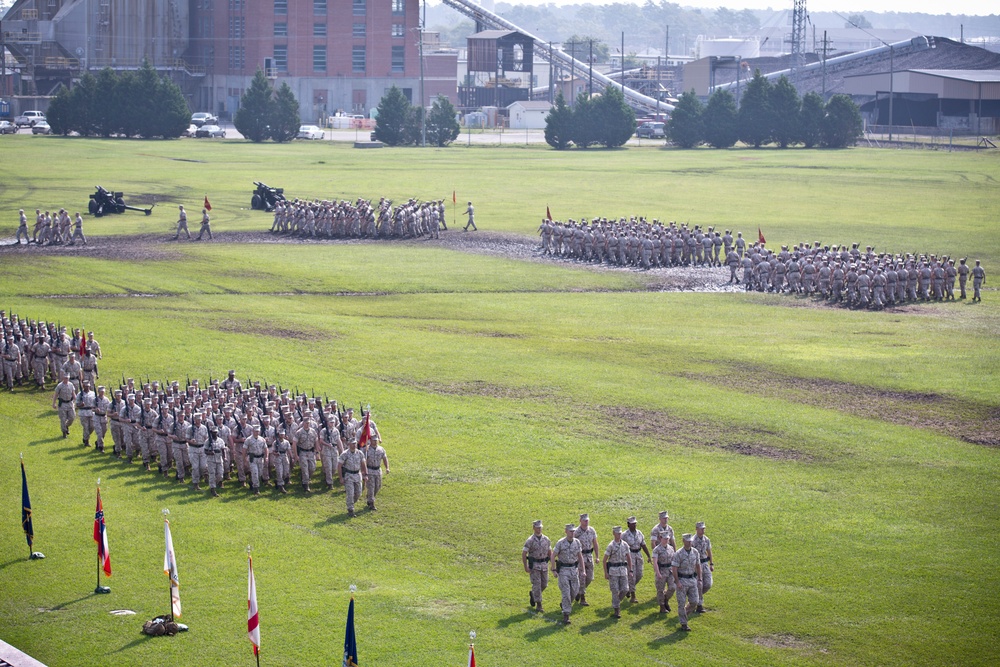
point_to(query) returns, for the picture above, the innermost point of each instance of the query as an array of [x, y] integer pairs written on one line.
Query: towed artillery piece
[[265, 198], [104, 201]]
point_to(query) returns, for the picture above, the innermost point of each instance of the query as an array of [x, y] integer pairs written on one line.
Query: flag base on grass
[[102, 590], [36, 555]]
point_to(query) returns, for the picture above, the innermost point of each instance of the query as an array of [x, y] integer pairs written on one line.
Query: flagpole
[[170, 590]]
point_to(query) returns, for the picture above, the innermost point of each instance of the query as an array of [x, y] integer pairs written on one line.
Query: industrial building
[[336, 55]]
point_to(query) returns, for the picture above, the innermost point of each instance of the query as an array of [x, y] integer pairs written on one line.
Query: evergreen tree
[[412, 131], [144, 109], [755, 112], [393, 115], [84, 121], [284, 115], [842, 125], [255, 112], [686, 126], [128, 110], [60, 114], [785, 109], [811, 120], [614, 119], [173, 116], [442, 128], [720, 120], [584, 127], [104, 105], [559, 124]]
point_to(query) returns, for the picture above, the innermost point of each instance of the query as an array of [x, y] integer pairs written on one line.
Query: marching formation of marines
[[634, 242], [339, 219], [840, 274], [686, 571], [36, 351], [259, 434], [856, 278], [51, 228]]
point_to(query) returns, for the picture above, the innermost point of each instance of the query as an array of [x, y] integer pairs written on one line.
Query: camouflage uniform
[[567, 566], [617, 557], [587, 539], [64, 395], [636, 541], [663, 556], [536, 554], [374, 456], [353, 470], [686, 563]]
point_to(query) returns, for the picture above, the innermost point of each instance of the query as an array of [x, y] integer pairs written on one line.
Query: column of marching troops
[[51, 228], [840, 274], [686, 571], [360, 219]]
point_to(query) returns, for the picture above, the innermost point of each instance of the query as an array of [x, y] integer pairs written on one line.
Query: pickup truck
[[29, 118]]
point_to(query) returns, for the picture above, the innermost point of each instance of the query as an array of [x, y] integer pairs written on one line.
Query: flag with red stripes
[[253, 618], [101, 536], [208, 205], [760, 236], [365, 434]]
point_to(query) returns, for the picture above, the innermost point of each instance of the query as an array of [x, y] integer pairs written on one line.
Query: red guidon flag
[[548, 213], [760, 236], [101, 536], [253, 619], [83, 342], [208, 205], [472, 656], [365, 434], [454, 197]]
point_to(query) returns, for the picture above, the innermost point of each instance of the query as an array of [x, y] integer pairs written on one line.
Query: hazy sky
[[974, 7]]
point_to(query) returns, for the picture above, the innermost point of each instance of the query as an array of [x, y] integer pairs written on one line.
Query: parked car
[[210, 131], [310, 132], [41, 127], [191, 130], [7, 127], [204, 118], [651, 130], [29, 118]]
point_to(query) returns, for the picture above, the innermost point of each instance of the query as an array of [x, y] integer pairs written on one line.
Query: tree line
[[124, 104], [767, 113], [266, 113], [605, 120], [399, 123]]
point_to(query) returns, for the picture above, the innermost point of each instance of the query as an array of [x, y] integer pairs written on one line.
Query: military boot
[[583, 600], [663, 608], [215, 494], [282, 489], [566, 620]]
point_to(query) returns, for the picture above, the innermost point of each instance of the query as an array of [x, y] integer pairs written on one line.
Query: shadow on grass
[[63, 605], [648, 619], [599, 626], [677, 635], [142, 639], [336, 518], [4, 566], [516, 618], [46, 441], [551, 626]]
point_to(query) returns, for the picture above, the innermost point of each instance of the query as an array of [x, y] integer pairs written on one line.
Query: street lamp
[[892, 76]]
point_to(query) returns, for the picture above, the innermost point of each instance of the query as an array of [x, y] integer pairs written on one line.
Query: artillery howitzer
[[265, 198], [103, 202]]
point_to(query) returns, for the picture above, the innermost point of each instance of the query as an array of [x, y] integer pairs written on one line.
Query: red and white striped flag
[[253, 618], [365, 433], [101, 536], [170, 569], [472, 656]]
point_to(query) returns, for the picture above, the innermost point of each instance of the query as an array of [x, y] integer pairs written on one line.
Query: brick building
[[334, 54]]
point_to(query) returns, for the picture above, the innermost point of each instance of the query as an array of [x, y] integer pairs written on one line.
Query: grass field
[[833, 453]]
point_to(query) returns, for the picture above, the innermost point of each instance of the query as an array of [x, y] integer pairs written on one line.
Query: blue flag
[[350, 641], [29, 532]]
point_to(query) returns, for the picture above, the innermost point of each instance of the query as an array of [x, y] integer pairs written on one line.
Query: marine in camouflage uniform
[[568, 565], [62, 400], [617, 569], [305, 450], [704, 547], [636, 543], [535, 556], [255, 448], [351, 468], [666, 585], [686, 567], [587, 537], [374, 458]]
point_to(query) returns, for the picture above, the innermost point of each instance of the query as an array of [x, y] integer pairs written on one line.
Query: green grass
[[496, 385]]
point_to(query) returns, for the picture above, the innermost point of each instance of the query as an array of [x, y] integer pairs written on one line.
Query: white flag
[[253, 620], [170, 569]]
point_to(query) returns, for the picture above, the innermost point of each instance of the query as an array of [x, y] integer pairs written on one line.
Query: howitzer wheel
[[255, 202], [119, 205], [99, 212], [92, 207]]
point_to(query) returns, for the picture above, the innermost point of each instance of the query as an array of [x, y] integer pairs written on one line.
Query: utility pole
[[623, 63], [590, 84], [826, 45], [892, 68], [423, 100], [572, 72], [552, 100]]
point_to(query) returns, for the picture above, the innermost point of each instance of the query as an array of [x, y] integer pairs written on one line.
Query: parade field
[[847, 463]]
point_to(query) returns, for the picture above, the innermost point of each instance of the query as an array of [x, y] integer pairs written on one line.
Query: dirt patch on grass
[[478, 334], [471, 388], [270, 329], [781, 641], [665, 427], [972, 422]]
